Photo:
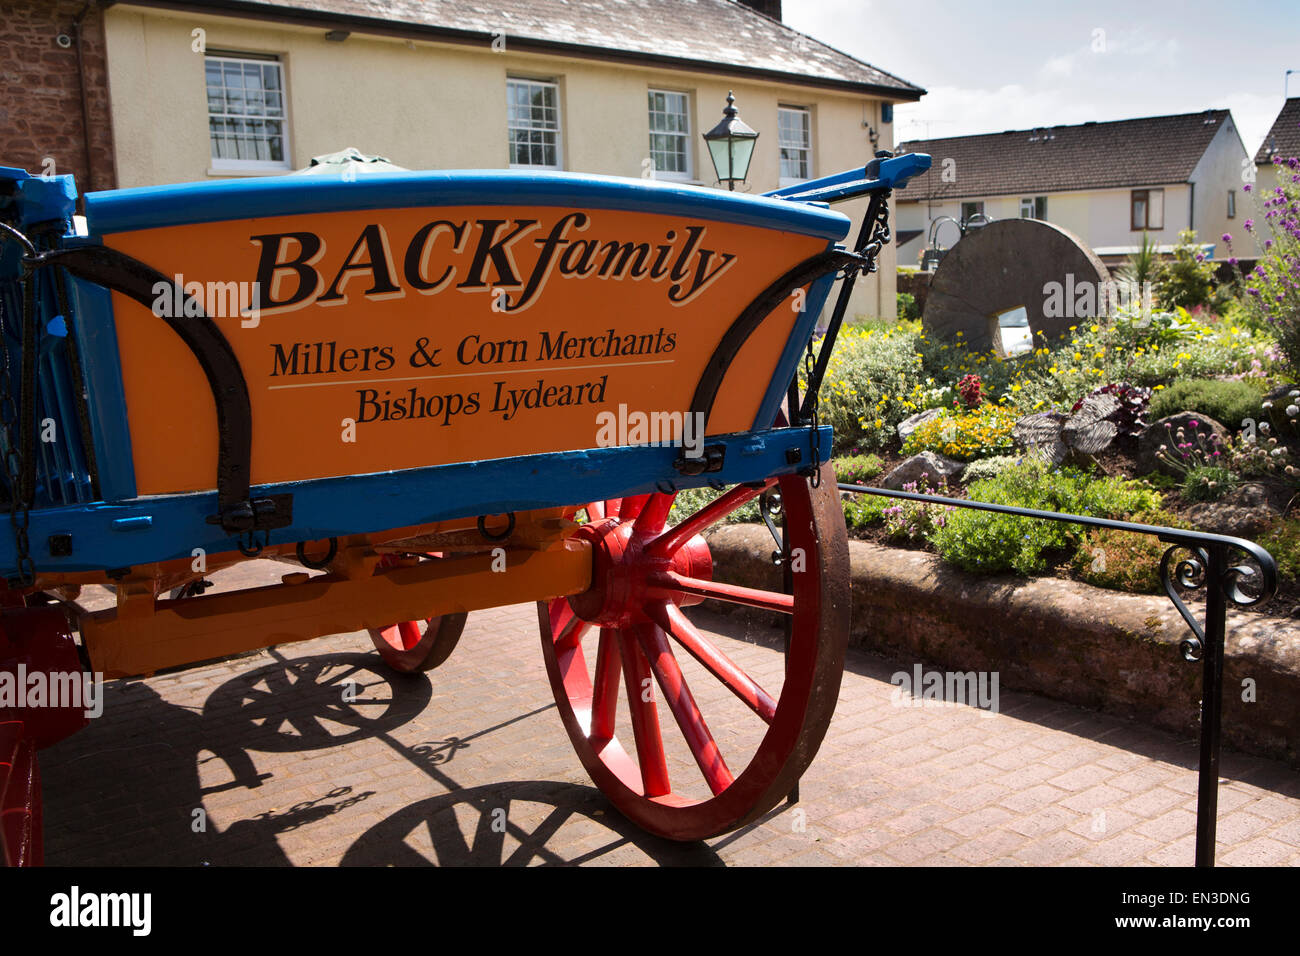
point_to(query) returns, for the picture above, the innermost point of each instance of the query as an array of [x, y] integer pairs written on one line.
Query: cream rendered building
[[222, 89]]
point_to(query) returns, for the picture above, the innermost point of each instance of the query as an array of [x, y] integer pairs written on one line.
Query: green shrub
[[1208, 483], [991, 543], [873, 381], [966, 435], [983, 469], [693, 499], [1186, 280], [1282, 540], [863, 510], [1122, 560], [907, 308], [1228, 403], [858, 469]]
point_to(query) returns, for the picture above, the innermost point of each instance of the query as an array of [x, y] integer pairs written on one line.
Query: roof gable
[[1150, 151], [699, 33], [1283, 138]]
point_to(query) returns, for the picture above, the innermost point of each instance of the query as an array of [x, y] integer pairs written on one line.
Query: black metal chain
[[814, 444], [15, 465]]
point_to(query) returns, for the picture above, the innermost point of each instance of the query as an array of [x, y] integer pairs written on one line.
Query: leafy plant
[[863, 510], [692, 500], [1228, 403], [1186, 280], [858, 469], [982, 469], [971, 390], [916, 520], [872, 383], [1282, 540], [979, 433], [907, 308], [1271, 292], [1208, 483], [1261, 457], [1122, 560], [1186, 453], [991, 543], [1130, 415], [1143, 266]]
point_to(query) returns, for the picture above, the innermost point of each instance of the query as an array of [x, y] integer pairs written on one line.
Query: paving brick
[[1041, 783]]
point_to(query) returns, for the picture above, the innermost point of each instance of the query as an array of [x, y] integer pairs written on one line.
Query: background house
[[1283, 140], [184, 91], [1105, 182]]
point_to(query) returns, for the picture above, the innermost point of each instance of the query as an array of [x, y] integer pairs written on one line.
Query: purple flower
[[1227, 238], [1249, 224], [1246, 188]]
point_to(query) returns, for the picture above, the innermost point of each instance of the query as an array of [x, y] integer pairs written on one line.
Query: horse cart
[[429, 393]]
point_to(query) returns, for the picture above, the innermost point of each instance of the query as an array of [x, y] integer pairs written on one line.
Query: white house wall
[[443, 106]]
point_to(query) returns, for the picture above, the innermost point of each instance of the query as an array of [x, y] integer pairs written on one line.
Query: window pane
[[794, 138], [532, 123], [241, 95], [669, 132]]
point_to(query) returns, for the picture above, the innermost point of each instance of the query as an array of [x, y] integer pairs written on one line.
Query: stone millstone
[[927, 463], [1156, 434], [1006, 264], [1243, 513]]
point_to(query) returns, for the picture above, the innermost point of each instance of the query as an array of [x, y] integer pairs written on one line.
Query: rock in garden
[[1279, 392], [912, 422], [928, 463], [1243, 513], [1156, 434]]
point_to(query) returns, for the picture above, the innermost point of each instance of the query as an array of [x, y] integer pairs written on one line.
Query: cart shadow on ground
[[128, 790]]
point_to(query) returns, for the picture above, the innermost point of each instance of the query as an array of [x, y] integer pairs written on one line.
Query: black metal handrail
[[1208, 567]]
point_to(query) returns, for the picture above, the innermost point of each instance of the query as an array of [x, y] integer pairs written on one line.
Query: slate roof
[[1152, 151], [710, 35], [1284, 137]]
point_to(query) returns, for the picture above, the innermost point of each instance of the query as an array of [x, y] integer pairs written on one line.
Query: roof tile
[[1150, 151]]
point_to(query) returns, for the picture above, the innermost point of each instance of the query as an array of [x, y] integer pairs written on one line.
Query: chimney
[[771, 8]]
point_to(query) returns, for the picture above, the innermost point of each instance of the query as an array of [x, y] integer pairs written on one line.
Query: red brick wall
[[40, 91]]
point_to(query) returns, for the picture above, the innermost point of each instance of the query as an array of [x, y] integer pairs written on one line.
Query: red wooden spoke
[[654, 514], [571, 633], [632, 506], [612, 507], [645, 718], [410, 633], [604, 692], [732, 593], [682, 704], [667, 543], [595, 510], [670, 617]]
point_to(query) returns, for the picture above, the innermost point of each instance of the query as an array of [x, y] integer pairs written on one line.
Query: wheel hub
[[623, 578]]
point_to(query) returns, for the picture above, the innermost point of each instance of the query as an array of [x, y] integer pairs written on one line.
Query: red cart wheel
[[20, 798], [631, 617], [413, 646]]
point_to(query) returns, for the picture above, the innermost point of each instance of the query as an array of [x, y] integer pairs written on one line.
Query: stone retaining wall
[[1102, 649]]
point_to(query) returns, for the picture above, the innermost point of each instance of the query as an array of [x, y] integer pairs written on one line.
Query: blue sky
[[1016, 64]]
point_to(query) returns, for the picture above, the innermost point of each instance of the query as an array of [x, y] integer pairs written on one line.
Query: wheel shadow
[[128, 790], [517, 823]]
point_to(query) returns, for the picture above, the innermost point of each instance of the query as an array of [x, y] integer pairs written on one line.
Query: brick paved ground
[[258, 760]]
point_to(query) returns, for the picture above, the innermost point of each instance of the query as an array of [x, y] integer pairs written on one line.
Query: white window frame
[[783, 145], [688, 142], [558, 130], [1029, 207], [225, 164]]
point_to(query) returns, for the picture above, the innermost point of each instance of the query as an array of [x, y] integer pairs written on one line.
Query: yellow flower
[[1096, 328], [879, 422]]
